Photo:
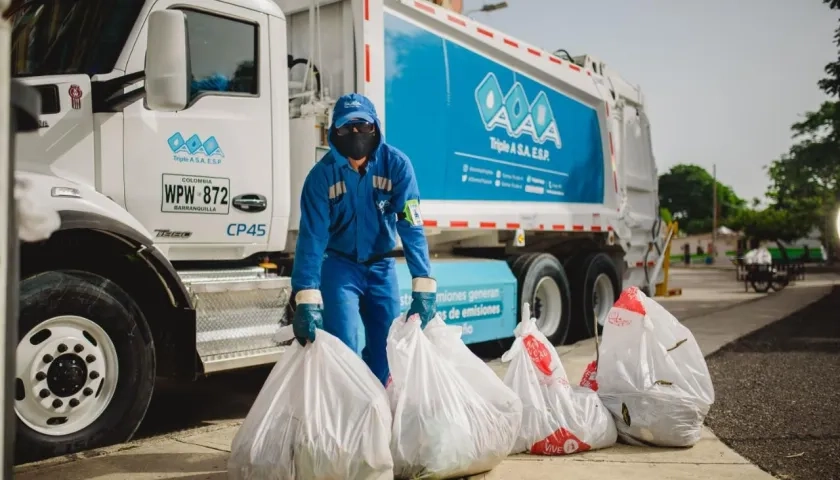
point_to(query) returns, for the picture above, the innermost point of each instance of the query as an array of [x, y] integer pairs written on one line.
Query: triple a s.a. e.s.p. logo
[[513, 112], [195, 150]]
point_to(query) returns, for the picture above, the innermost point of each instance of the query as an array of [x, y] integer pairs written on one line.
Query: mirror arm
[[107, 96]]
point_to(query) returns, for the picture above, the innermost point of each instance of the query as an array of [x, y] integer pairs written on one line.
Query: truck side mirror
[[167, 63]]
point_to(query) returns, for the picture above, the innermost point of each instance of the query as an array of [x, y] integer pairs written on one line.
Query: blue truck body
[[476, 129]]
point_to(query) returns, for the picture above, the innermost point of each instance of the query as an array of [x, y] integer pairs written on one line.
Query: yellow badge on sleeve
[[412, 213]]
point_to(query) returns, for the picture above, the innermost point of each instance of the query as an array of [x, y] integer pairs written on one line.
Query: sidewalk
[[202, 453]]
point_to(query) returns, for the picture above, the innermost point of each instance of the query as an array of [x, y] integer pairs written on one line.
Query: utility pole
[[714, 213]]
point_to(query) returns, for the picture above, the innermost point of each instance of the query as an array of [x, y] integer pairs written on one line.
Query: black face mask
[[355, 145]]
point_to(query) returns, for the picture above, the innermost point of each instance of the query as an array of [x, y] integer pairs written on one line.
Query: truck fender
[[74, 219], [81, 207], [60, 194]]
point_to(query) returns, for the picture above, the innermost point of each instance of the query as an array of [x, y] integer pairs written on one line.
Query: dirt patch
[[778, 394]]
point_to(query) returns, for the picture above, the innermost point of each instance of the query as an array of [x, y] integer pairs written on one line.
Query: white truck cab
[[174, 140]]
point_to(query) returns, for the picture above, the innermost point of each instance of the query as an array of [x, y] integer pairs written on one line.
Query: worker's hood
[[354, 106]]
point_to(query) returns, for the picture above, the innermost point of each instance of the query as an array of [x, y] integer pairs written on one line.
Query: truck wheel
[[543, 284], [85, 365], [596, 289]]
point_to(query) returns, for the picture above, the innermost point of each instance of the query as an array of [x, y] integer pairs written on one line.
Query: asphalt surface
[[778, 394], [228, 396]]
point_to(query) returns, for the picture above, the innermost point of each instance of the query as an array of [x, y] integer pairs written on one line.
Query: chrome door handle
[[250, 202]]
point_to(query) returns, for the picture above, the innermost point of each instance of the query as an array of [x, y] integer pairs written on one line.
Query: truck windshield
[[53, 37]]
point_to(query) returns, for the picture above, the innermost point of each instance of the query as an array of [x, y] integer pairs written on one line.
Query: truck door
[[204, 175]]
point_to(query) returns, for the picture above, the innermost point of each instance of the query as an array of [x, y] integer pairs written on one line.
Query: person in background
[[687, 254], [354, 202]]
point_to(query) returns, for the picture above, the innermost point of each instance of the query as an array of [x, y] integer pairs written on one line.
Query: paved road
[[705, 290], [777, 393], [228, 396]]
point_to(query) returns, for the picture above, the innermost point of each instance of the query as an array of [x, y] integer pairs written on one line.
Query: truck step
[[237, 314]]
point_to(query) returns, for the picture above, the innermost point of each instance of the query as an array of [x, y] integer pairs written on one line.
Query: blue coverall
[[348, 227]]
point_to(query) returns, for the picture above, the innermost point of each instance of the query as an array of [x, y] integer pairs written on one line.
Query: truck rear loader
[[174, 140]]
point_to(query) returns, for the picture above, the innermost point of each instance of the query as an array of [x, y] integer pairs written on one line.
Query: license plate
[[195, 194]]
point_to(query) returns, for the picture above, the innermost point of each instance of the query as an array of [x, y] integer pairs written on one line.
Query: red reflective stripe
[[609, 229], [484, 32], [615, 182], [534, 52], [574, 67], [367, 9], [650, 264], [578, 228], [612, 148], [555, 60], [458, 224], [558, 227], [596, 228], [608, 109], [430, 223], [487, 225], [457, 20], [367, 63], [512, 225], [640, 264], [511, 43], [424, 6]]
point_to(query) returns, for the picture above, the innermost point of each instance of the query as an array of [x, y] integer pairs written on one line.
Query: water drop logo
[[514, 113], [194, 150]]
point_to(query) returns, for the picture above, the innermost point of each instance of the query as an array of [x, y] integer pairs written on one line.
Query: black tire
[[529, 271], [583, 292], [761, 286], [518, 264], [51, 294]]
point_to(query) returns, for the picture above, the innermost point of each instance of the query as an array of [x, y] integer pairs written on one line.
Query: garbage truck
[[174, 139]]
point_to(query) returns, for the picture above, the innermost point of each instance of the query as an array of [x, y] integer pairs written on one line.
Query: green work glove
[[308, 315], [423, 301]]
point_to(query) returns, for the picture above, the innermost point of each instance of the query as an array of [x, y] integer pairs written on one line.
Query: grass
[[814, 255]]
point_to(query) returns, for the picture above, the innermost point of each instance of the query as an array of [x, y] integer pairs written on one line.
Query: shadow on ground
[[211, 400], [193, 466], [778, 392]]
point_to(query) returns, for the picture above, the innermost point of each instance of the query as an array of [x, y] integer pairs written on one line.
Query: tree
[[831, 84], [770, 224], [805, 182], [687, 192]]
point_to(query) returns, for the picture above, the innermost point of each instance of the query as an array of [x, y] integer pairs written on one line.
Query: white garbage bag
[[652, 375], [321, 414], [451, 418], [557, 418], [758, 256]]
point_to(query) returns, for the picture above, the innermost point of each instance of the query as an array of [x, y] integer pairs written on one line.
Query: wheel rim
[[66, 370], [603, 296], [547, 306]]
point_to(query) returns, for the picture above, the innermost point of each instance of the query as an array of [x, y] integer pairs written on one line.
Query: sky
[[723, 79]]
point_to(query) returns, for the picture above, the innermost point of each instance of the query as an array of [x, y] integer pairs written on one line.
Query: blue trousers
[[355, 293]]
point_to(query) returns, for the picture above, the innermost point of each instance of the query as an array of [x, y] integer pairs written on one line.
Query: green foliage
[[665, 215], [831, 84], [770, 224], [805, 181], [687, 192]]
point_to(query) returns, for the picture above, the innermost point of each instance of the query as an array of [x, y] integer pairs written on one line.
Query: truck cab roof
[[268, 7]]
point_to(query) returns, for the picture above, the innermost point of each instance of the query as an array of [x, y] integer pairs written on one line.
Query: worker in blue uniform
[[354, 202]]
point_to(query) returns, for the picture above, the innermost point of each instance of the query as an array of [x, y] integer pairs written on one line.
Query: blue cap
[[353, 107]]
